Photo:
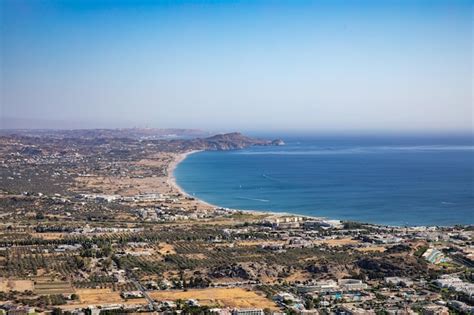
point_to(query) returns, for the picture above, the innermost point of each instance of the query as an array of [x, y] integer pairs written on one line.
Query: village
[[98, 229]]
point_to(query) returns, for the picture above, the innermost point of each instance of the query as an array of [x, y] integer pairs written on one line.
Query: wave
[[363, 150], [447, 203], [271, 178]]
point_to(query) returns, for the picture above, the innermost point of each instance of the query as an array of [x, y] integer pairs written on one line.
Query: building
[[352, 310], [456, 284], [351, 284], [324, 286], [461, 307], [433, 309], [132, 294], [434, 256], [248, 311], [398, 281]]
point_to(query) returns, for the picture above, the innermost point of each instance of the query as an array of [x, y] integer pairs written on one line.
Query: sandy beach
[[171, 180]]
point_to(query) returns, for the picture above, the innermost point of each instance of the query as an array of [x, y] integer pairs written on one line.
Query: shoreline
[[171, 181], [180, 157]]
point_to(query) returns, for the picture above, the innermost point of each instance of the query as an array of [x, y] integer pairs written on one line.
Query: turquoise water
[[393, 181]]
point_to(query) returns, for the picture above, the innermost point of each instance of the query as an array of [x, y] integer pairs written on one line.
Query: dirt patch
[[166, 249]]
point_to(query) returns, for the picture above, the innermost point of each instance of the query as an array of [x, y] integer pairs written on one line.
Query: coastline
[[171, 181]]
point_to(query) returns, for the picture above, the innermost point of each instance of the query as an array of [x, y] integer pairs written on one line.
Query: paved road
[[151, 302]]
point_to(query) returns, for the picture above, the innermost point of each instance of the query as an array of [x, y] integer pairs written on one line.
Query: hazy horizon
[[323, 66]]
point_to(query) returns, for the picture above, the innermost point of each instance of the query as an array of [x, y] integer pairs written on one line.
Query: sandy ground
[[224, 297]]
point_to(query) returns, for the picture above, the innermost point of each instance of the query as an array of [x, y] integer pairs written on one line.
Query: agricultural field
[[101, 297], [48, 287], [8, 285], [104, 296], [223, 297]]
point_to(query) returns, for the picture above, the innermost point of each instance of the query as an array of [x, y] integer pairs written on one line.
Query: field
[[337, 242], [48, 236], [260, 242], [101, 297], [224, 297], [45, 286], [7, 285], [379, 249], [104, 296]]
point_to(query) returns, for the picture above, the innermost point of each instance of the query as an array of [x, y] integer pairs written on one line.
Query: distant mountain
[[170, 140], [222, 142]]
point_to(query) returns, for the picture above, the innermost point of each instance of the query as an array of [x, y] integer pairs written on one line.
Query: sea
[[388, 180]]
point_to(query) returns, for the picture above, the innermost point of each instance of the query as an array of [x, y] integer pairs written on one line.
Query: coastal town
[[93, 223]]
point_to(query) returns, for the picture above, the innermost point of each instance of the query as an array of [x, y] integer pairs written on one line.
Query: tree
[[309, 304], [57, 311]]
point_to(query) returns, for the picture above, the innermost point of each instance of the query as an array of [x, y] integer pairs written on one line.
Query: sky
[[396, 66]]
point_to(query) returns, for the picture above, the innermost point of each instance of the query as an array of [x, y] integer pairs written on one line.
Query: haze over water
[[393, 181]]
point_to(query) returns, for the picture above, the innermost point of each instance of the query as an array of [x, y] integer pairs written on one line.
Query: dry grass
[[259, 242], [196, 256], [166, 249], [100, 297], [125, 186], [298, 276], [337, 242], [48, 236], [104, 296], [224, 297], [379, 249], [7, 285]]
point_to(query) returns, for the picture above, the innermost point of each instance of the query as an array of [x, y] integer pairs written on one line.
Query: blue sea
[[385, 180]]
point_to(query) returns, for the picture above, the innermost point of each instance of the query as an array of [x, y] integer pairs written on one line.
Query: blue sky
[[249, 65]]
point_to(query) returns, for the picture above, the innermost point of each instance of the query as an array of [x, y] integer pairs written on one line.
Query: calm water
[[395, 181]]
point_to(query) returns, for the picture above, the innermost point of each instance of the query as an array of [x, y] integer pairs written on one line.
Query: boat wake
[[254, 199]]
